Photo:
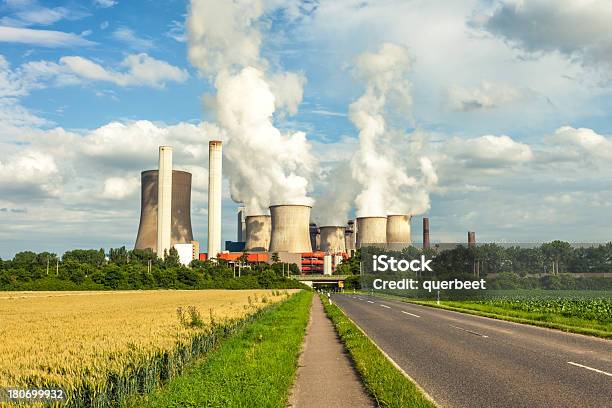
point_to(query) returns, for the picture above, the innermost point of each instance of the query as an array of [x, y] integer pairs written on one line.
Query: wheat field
[[78, 340]]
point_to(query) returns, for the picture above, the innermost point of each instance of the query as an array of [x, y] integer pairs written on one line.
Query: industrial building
[[286, 234]]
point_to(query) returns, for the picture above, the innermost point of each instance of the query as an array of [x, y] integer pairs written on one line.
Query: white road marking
[[386, 306], [411, 314], [369, 301], [469, 331], [590, 368]]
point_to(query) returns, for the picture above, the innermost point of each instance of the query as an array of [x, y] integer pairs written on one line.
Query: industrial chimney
[[241, 225], [371, 230], [315, 236], [332, 239], [471, 239], [398, 231], [258, 229], [349, 237], [181, 232], [164, 201], [290, 232], [214, 198], [425, 233]]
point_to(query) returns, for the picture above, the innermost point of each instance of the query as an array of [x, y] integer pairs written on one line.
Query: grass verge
[[254, 367], [548, 320], [386, 383]]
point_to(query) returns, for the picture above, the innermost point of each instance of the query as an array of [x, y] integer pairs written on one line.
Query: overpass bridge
[[320, 280]]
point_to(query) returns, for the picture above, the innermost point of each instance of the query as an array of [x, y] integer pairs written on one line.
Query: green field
[[585, 312], [257, 364]]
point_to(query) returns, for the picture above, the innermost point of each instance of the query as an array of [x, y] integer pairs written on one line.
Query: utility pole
[[47, 266], [57, 267]]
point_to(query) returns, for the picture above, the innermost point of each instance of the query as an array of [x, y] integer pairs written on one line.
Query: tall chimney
[[164, 201], [471, 239], [240, 226], [425, 233], [214, 198]]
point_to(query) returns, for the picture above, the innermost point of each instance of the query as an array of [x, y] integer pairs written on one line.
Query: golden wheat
[[73, 338]]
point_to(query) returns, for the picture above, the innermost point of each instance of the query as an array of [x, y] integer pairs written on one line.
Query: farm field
[[101, 345]]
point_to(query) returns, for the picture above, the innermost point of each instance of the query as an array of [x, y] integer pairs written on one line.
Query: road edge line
[[393, 363]]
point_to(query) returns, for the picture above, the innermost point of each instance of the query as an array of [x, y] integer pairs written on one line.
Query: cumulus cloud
[[489, 151], [32, 173], [118, 188], [578, 29], [486, 96], [136, 70], [105, 3], [43, 38], [587, 140]]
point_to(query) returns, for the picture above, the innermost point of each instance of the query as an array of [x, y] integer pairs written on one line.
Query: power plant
[[287, 234]]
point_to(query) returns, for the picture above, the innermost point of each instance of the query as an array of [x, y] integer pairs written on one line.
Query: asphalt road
[[463, 360]]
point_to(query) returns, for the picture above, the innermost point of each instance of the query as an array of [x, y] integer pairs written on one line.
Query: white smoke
[[386, 156], [264, 166]]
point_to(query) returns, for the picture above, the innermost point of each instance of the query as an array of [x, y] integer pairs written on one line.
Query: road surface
[[463, 360]]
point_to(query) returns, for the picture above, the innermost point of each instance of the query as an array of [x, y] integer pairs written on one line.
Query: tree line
[[88, 269]]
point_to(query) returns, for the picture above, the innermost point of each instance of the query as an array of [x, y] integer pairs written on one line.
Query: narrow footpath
[[325, 376]]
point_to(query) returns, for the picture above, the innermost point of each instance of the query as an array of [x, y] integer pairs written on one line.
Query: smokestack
[[214, 198], [398, 231], [471, 239], [290, 228], [315, 236], [349, 237], [181, 209], [164, 201], [332, 239], [425, 233], [258, 229], [371, 230], [240, 226]]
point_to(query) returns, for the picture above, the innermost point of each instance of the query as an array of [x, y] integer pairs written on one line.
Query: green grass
[[387, 385], [537, 312], [254, 367]]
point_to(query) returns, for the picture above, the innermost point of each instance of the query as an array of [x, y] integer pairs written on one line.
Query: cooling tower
[[371, 230], [332, 239], [258, 229], [214, 198], [290, 232], [471, 239], [164, 201], [180, 210], [398, 231]]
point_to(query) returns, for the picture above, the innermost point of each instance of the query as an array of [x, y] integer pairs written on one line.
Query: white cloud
[[43, 38], [587, 140], [129, 37], [578, 29], [137, 70], [104, 25], [32, 172], [488, 151], [177, 31], [105, 3], [488, 95], [119, 188]]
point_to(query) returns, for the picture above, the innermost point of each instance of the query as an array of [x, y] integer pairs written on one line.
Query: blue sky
[[511, 99]]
